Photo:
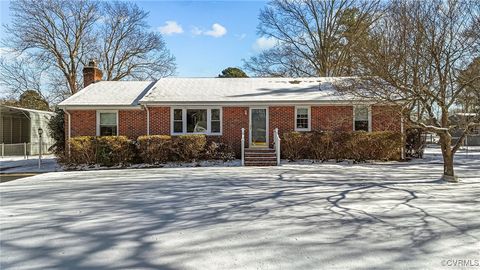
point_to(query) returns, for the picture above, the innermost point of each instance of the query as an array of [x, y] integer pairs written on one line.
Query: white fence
[[23, 149]]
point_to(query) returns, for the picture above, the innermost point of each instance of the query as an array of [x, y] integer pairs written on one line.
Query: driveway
[[320, 216]]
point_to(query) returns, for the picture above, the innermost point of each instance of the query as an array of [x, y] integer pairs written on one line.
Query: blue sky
[[204, 36]]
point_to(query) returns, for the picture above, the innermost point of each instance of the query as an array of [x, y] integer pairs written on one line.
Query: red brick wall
[[159, 120], [281, 117], [84, 123], [386, 118], [332, 118], [234, 119], [132, 123]]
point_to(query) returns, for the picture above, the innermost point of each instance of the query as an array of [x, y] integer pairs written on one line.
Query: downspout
[[68, 130], [148, 120]]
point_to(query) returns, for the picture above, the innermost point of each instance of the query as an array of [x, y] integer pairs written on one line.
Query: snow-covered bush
[[155, 149]]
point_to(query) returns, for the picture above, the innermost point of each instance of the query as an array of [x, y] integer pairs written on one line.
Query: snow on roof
[[232, 90], [210, 90], [109, 93]]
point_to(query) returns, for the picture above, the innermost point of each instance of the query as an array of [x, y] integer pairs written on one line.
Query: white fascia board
[[99, 107]]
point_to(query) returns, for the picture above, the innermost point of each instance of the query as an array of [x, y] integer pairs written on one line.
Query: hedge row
[[156, 149], [358, 146]]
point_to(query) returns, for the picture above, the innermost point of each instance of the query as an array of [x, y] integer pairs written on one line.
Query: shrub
[[358, 146], [218, 151], [294, 146], [321, 146], [105, 151], [189, 147], [155, 149], [415, 143], [82, 151], [114, 150], [56, 126]]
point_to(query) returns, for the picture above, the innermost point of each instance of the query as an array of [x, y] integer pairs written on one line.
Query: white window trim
[[369, 116], [184, 120], [309, 118], [98, 120]]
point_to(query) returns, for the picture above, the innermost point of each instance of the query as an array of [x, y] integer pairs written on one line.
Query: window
[[178, 121], [302, 118], [215, 120], [362, 118], [107, 123], [196, 121]]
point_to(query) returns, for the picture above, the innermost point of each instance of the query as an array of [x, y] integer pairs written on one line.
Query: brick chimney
[[91, 73]]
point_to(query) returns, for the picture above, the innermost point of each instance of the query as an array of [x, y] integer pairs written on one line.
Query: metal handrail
[[276, 140], [243, 147]]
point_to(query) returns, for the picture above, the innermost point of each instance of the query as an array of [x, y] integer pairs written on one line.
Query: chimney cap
[[92, 63]]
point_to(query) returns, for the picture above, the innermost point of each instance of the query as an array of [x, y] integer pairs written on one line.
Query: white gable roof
[[251, 90], [109, 93]]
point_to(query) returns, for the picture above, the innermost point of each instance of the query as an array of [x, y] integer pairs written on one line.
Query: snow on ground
[[18, 164], [314, 216]]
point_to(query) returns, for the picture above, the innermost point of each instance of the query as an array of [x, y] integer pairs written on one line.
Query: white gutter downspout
[[68, 130], [148, 120]]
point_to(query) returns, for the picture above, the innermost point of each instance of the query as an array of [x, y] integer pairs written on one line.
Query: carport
[[19, 131]]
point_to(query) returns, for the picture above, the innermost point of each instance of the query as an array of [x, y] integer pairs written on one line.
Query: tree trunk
[[447, 153]]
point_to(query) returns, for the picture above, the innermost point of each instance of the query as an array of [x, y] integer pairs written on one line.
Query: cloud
[[196, 31], [217, 30], [241, 36], [170, 28], [264, 43]]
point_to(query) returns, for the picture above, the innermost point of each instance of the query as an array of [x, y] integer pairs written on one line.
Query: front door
[[258, 127]]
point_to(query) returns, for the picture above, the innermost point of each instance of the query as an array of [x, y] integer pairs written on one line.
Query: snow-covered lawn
[[312, 216], [18, 164]]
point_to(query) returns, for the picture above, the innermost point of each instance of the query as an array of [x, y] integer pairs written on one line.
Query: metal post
[[25, 150], [3, 150], [243, 147], [40, 132]]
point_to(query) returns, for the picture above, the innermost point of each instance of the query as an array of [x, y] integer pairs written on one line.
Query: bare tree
[[127, 48], [65, 35], [57, 32], [314, 38], [416, 55]]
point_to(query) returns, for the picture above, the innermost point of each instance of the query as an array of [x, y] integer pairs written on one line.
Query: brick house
[[220, 108]]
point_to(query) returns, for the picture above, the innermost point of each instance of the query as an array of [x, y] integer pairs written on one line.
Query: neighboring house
[[19, 130], [220, 108], [461, 119]]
